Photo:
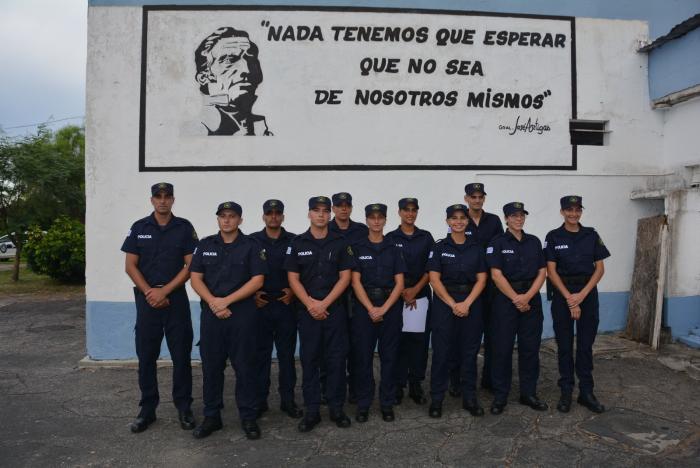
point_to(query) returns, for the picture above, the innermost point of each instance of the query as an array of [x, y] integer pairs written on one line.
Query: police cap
[[273, 205], [342, 197], [570, 200], [230, 205], [162, 187], [375, 208], [514, 207], [469, 189]]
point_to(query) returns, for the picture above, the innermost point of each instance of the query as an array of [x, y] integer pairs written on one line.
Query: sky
[[42, 63]]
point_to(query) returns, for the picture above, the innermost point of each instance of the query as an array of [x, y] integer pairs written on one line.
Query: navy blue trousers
[[233, 339], [452, 334], [175, 323], [365, 336], [586, 330], [507, 322], [323, 341], [413, 354], [277, 324]]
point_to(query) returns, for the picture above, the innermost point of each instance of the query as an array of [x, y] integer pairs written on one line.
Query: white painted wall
[[612, 84]]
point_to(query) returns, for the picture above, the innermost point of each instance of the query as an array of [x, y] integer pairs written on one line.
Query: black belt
[[459, 288], [519, 286], [378, 294], [575, 280], [273, 295]]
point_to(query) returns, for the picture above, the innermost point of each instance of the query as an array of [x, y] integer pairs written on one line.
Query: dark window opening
[[588, 132]]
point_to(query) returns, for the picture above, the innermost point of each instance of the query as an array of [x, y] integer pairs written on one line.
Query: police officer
[[227, 269], [353, 232], [158, 249], [575, 257], [342, 223], [415, 244], [319, 264], [518, 270], [483, 227], [377, 281], [276, 316], [458, 275]]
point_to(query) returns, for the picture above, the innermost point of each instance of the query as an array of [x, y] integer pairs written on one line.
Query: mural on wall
[[350, 89], [228, 74]]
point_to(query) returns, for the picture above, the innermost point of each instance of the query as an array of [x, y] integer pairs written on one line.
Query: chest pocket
[[328, 262]]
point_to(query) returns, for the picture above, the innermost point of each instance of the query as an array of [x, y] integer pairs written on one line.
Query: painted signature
[[525, 127]]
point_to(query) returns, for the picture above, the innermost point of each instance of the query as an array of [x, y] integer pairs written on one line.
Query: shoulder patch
[[600, 241], [263, 255], [289, 250], [489, 250], [430, 255], [194, 235], [128, 233], [350, 251]]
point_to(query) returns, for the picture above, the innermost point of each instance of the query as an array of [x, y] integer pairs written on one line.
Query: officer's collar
[[173, 220], [329, 236], [352, 225], [375, 245], [509, 235], [467, 241], [417, 232], [220, 240], [582, 229], [263, 235]]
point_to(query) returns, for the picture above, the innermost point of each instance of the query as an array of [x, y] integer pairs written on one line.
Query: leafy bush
[[34, 238], [60, 253]]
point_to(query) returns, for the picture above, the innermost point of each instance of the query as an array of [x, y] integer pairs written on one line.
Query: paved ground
[[55, 414]]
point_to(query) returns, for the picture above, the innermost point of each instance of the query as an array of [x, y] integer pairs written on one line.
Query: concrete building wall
[[612, 85]]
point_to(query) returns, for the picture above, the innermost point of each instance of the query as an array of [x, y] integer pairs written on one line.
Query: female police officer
[[575, 266], [517, 267], [377, 281], [458, 275]]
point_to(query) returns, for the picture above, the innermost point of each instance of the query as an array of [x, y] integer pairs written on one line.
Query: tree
[[42, 177]]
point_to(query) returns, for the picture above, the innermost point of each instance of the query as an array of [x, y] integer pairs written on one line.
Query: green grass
[[31, 283]]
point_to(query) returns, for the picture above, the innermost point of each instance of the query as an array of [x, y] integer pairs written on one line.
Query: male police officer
[[353, 232], [483, 227], [319, 264], [158, 249], [227, 269], [415, 244], [276, 317]]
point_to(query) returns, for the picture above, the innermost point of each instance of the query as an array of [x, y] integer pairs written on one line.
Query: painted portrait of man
[[228, 75]]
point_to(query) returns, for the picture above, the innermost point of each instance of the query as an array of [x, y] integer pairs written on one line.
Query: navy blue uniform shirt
[[519, 260], [319, 261], [415, 249], [227, 267], [457, 264], [275, 250], [354, 233], [160, 249], [575, 253], [378, 263], [489, 227]]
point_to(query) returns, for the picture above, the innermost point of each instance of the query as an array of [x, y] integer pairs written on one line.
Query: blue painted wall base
[[110, 325]]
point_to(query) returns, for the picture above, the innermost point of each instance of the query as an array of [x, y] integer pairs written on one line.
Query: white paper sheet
[[414, 319]]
